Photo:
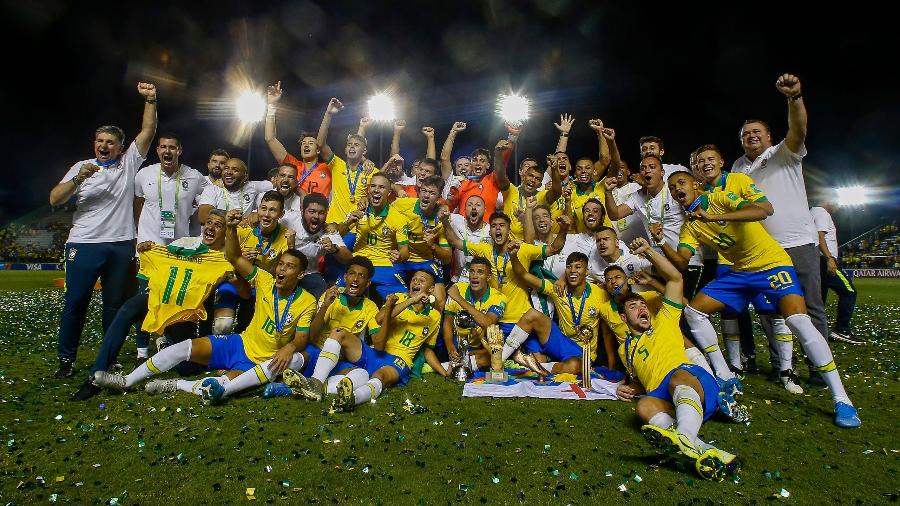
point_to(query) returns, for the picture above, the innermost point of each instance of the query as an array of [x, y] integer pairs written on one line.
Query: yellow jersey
[[492, 301], [513, 200], [652, 355], [609, 311], [417, 224], [739, 184], [269, 331], [411, 329], [585, 308], [269, 248], [378, 234], [510, 285], [343, 180], [358, 320], [179, 281], [579, 198], [746, 245]]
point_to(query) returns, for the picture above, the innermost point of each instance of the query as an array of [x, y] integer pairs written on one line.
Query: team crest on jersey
[[272, 253], [246, 197], [630, 267], [425, 331], [290, 318], [72, 252], [592, 312], [667, 207], [385, 231], [358, 325], [184, 185]]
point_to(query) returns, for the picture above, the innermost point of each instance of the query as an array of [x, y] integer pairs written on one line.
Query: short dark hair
[[219, 152], [480, 151], [113, 130], [754, 120], [604, 228], [708, 147], [481, 261], [499, 215], [545, 207], [169, 135], [682, 171], [304, 262], [432, 162], [614, 268], [628, 298], [431, 274], [315, 198], [651, 138], [593, 200], [218, 212], [305, 133], [576, 256], [361, 261], [435, 181], [273, 195], [651, 155]]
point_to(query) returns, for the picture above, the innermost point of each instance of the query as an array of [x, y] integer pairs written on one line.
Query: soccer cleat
[[310, 388], [110, 381], [66, 368], [162, 342], [716, 464], [139, 360], [670, 442], [790, 382], [731, 386], [87, 390], [846, 416], [732, 409], [845, 337], [346, 400], [211, 391], [165, 386], [278, 390], [528, 361]]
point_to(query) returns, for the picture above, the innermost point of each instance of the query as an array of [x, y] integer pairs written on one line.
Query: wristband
[[150, 101], [564, 134], [270, 110], [795, 98]]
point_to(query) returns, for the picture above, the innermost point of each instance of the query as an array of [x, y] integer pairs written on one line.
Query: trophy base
[[496, 376]]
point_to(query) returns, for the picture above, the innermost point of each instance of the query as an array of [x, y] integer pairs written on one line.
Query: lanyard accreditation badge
[[167, 217]]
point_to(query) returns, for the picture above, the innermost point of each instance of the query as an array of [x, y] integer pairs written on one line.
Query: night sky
[[687, 74]]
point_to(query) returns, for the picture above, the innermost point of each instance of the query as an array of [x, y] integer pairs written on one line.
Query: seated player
[[680, 396], [272, 342], [344, 310], [486, 306], [730, 225], [407, 322], [260, 244]]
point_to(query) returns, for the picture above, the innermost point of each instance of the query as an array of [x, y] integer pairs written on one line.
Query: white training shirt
[[292, 203], [186, 183], [778, 172], [244, 198], [661, 208], [630, 263], [824, 223], [632, 226], [104, 210], [307, 243], [460, 260]]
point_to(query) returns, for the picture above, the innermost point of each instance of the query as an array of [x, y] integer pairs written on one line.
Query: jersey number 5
[[170, 284]]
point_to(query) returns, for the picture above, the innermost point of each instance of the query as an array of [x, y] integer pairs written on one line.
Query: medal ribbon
[[257, 231], [352, 186], [280, 320], [694, 204], [501, 272], [106, 163], [584, 296]]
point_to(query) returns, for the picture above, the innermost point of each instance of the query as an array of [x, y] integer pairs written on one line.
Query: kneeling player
[[654, 357], [271, 343], [484, 304]]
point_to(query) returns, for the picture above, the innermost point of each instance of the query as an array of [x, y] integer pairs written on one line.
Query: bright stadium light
[[855, 195], [513, 108], [250, 107], [381, 108]]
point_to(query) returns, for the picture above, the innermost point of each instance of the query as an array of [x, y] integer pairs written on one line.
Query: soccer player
[[586, 178], [407, 323], [680, 396], [486, 306], [101, 242], [271, 343], [832, 276], [312, 175], [729, 224], [515, 197], [236, 191], [632, 226], [481, 180], [470, 227], [609, 249]]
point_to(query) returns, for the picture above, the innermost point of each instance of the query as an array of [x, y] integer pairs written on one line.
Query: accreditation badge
[[166, 225]]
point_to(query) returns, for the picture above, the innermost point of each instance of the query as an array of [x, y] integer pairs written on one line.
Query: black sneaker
[[750, 367], [139, 360], [87, 390], [845, 337], [66, 368]]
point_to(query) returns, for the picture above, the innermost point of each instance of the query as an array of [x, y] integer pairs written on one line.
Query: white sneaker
[[790, 382], [164, 386], [109, 380]]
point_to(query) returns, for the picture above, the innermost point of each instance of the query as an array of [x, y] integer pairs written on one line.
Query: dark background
[[689, 74]]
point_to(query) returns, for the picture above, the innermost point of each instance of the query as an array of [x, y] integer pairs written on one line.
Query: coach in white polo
[[164, 193], [101, 242], [778, 172], [236, 191]]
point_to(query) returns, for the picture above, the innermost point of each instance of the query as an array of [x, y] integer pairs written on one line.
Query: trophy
[[583, 336], [461, 370], [494, 341]]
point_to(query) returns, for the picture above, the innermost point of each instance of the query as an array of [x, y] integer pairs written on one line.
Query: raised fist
[[503, 146], [334, 106], [233, 218], [428, 131], [364, 122], [609, 133], [610, 183], [565, 221], [639, 246], [788, 85], [596, 125], [148, 90], [399, 124], [459, 126]]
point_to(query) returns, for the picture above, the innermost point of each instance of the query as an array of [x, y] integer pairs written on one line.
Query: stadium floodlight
[[513, 108], [856, 195], [381, 107], [250, 107]]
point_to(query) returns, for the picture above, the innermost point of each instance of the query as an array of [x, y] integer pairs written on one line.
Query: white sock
[[731, 334], [142, 352], [516, 337], [159, 363], [705, 336], [782, 341], [222, 325], [371, 390], [662, 420], [688, 411], [193, 386], [332, 382], [696, 357], [816, 348], [259, 375], [328, 358], [358, 377]]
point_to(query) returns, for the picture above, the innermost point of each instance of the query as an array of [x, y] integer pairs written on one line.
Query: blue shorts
[[407, 269], [371, 360], [227, 296], [709, 385], [387, 280], [559, 346], [228, 353], [312, 356], [736, 289]]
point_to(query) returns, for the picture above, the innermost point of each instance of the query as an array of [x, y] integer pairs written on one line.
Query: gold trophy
[[584, 335], [493, 340], [466, 330]]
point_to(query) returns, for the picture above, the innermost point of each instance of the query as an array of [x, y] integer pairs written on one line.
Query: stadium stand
[[37, 237], [876, 249]]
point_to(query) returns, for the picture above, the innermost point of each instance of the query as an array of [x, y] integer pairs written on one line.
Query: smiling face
[[709, 165], [683, 188], [107, 147], [168, 152], [420, 283], [542, 221], [474, 210], [356, 281], [285, 180], [462, 165], [287, 272], [584, 172], [233, 174], [309, 150], [755, 138], [379, 187], [214, 232], [314, 217], [214, 166], [269, 212], [592, 216], [499, 231], [576, 272], [636, 314]]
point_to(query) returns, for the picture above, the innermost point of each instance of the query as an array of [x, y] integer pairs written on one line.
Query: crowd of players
[[341, 279]]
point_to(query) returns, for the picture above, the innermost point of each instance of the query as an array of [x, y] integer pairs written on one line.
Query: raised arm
[[565, 223], [318, 321], [674, 282], [384, 322], [564, 126], [242, 266], [148, 124], [273, 94], [530, 280], [658, 235], [789, 86], [615, 159], [453, 239], [603, 157], [334, 106], [613, 210], [430, 150], [501, 160], [399, 125], [555, 190], [447, 150]]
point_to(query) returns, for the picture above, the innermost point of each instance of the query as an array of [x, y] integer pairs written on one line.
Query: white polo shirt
[[778, 172], [461, 260], [292, 203], [661, 208], [104, 210], [632, 226], [157, 189], [630, 263], [824, 223], [243, 198], [307, 243]]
